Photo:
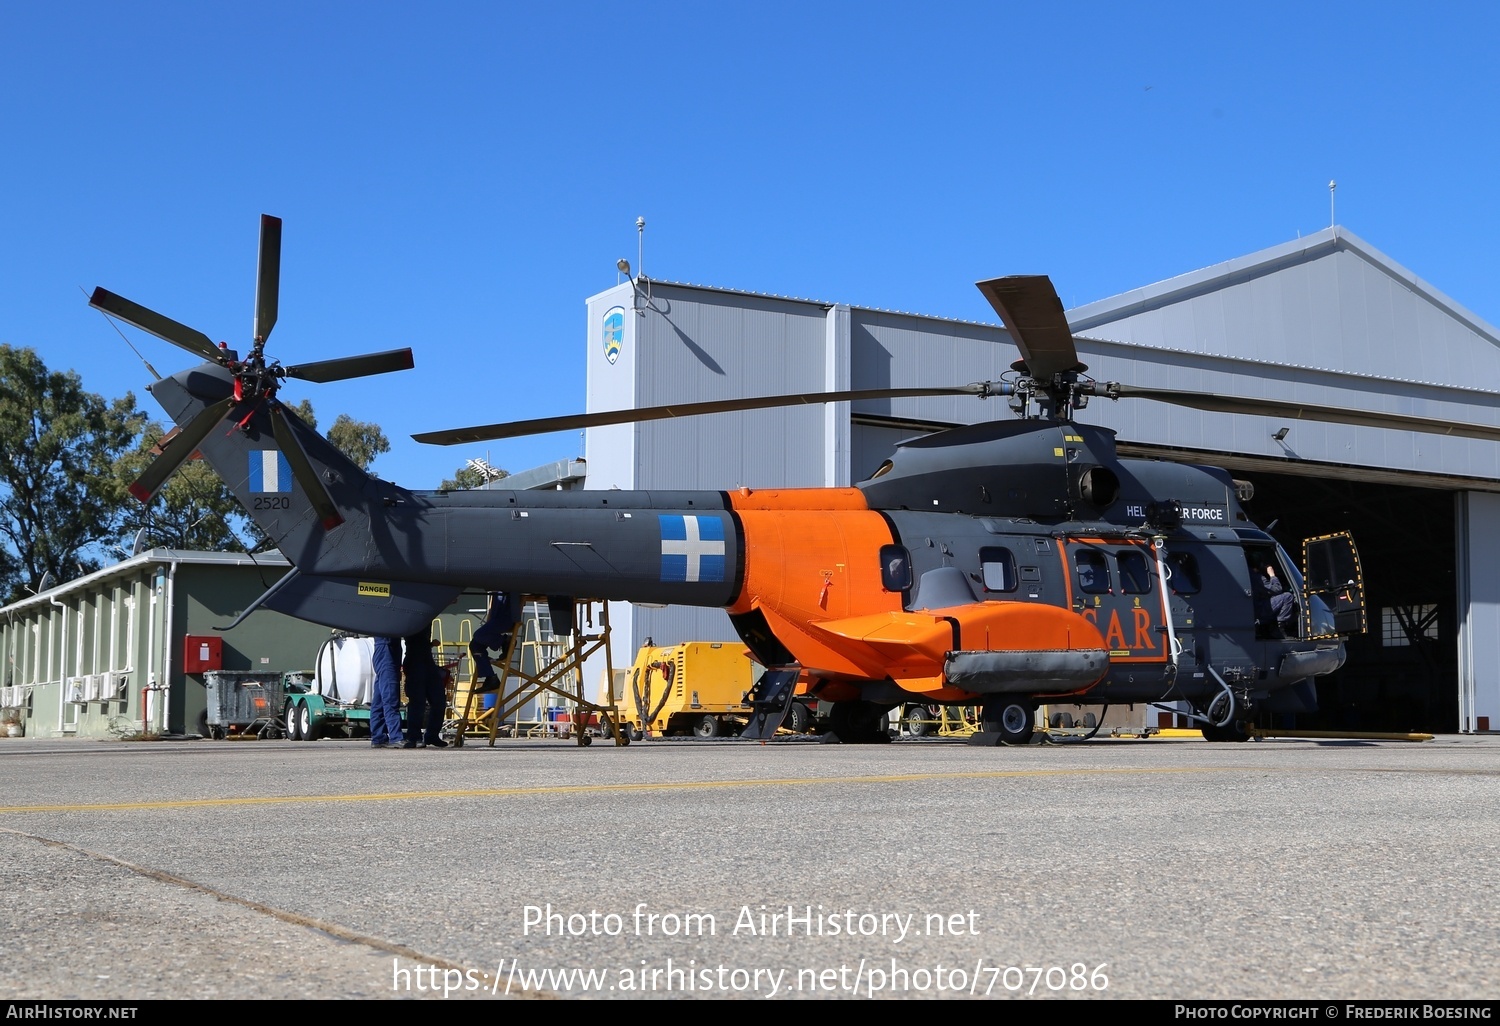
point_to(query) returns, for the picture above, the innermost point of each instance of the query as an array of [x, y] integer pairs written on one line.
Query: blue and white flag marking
[[692, 548], [270, 471]]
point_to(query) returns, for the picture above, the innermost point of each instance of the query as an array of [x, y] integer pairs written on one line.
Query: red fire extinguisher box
[[201, 653]]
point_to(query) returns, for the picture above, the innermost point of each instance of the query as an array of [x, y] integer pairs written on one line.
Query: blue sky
[[459, 177]]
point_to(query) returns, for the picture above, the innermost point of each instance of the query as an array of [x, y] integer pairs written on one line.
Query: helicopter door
[[1114, 585], [1332, 573]]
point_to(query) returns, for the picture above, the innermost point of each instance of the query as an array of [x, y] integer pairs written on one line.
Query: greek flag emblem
[[692, 548], [270, 471]]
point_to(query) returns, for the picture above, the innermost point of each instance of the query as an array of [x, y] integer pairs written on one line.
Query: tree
[[59, 495], [360, 440], [469, 477]]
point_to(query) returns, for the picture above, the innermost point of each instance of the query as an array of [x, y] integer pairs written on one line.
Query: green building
[[124, 651], [130, 650]]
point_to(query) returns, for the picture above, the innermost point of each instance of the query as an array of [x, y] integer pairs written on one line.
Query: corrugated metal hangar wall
[[1324, 320]]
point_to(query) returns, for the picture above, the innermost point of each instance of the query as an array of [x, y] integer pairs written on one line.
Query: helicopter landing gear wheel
[[1233, 732], [1012, 718], [859, 723], [1226, 719]]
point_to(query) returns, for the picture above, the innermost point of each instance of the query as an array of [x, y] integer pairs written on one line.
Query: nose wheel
[[1227, 715]]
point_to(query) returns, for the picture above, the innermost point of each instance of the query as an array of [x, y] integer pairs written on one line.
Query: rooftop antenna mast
[[640, 246], [1332, 221], [637, 293]]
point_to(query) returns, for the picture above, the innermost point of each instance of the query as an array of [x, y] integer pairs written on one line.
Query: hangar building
[[1325, 320]]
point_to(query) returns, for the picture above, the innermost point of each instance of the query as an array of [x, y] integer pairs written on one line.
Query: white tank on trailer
[[346, 669]]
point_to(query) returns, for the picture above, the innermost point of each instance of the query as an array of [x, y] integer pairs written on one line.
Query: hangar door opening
[[1402, 674]]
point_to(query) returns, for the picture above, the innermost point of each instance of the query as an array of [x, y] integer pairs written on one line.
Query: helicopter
[[1006, 564]]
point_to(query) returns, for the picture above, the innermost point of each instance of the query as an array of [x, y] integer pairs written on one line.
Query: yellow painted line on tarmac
[[571, 789], [1344, 735]]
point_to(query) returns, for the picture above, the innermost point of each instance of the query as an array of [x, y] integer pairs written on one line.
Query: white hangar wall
[[1478, 610], [673, 344], [1324, 320]]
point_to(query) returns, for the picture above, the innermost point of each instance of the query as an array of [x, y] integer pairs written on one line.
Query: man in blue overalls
[[494, 634], [385, 694], [426, 696]]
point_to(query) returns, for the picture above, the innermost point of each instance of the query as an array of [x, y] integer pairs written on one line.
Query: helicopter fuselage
[[1015, 562]]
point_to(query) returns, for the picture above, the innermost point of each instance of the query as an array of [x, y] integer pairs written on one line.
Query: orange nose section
[[812, 569], [930, 649]]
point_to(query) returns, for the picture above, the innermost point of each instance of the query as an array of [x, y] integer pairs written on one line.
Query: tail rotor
[[256, 380], [267, 277]]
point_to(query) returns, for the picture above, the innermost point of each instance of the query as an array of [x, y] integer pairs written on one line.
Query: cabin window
[[997, 568], [1093, 571], [1182, 573], [1135, 577], [895, 567]]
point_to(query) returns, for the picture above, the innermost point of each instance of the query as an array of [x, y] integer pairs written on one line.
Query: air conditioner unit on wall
[[73, 688]]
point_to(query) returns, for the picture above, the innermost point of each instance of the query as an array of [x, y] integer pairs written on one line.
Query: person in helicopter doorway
[[1275, 607], [426, 694], [493, 634]]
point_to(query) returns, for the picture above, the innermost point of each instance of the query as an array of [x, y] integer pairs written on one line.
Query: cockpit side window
[[1093, 571], [1135, 578]]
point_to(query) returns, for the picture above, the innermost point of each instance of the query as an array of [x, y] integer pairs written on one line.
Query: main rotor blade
[[149, 320], [544, 425], [352, 366], [267, 276], [1302, 411], [1029, 307], [177, 451], [302, 469]]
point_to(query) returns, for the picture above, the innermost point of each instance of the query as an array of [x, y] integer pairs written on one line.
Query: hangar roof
[[1328, 301]]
